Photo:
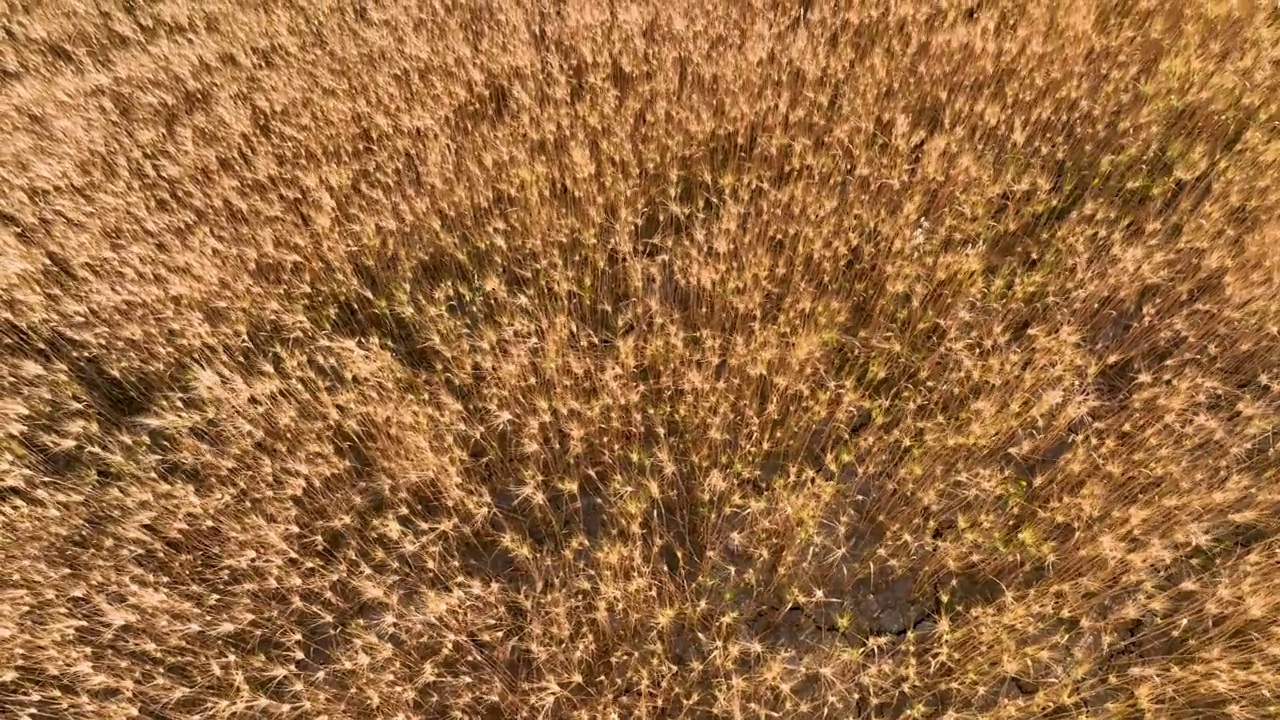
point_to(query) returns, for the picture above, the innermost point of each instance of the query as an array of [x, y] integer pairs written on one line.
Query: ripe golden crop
[[640, 360]]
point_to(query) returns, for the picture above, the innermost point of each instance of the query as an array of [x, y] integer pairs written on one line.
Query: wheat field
[[640, 360]]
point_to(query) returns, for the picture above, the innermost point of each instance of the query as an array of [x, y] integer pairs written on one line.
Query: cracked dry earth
[[889, 612]]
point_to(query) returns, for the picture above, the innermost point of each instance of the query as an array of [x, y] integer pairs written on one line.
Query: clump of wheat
[[663, 360]]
